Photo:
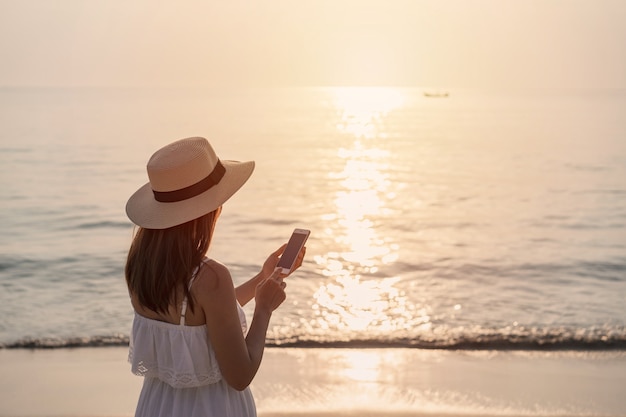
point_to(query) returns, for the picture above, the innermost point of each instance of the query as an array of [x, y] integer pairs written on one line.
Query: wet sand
[[337, 382]]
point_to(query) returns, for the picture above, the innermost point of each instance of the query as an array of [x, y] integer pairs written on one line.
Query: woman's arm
[[239, 358], [245, 292]]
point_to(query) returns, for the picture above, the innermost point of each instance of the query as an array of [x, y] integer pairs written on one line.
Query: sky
[[431, 43]]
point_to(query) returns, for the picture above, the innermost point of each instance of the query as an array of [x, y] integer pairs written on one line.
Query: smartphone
[[296, 242]]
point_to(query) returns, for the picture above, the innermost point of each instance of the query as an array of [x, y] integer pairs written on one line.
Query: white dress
[[181, 374]]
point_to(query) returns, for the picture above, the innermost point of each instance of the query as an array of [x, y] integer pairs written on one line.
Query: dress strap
[[183, 309]]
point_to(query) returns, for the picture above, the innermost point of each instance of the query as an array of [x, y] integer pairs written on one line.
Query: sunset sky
[[436, 43]]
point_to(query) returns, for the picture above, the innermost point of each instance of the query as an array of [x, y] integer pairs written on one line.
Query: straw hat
[[187, 181]]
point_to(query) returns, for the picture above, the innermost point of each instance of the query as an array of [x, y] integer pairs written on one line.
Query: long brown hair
[[159, 260]]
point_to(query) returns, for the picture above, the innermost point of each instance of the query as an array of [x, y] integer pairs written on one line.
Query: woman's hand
[[270, 263], [299, 260], [247, 291], [270, 293]]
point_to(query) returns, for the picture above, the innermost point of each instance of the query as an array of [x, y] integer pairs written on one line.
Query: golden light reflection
[[365, 187], [355, 299], [363, 366], [363, 108], [354, 304]]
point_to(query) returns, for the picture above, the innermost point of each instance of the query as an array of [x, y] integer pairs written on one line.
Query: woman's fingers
[[271, 291], [279, 251], [299, 259], [272, 260]]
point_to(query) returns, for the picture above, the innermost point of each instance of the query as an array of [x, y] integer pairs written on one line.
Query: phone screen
[[296, 241]]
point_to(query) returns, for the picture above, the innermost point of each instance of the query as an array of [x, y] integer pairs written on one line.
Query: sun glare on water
[[362, 109], [354, 298], [365, 185]]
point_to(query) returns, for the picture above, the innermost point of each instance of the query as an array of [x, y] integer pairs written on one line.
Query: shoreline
[[91, 382]]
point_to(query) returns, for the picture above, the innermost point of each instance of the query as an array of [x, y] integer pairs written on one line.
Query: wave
[[494, 342], [72, 223], [70, 342], [105, 224], [479, 343]]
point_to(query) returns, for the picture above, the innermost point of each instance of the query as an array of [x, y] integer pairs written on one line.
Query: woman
[[189, 336]]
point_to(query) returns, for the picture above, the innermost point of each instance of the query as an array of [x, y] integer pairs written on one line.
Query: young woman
[[189, 338]]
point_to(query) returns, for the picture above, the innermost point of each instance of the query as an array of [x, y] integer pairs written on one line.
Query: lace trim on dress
[[174, 378], [178, 355]]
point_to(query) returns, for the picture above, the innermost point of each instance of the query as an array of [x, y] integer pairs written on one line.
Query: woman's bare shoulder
[[212, 276]]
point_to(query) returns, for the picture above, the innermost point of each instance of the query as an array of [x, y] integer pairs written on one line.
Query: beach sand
[[337, 382]]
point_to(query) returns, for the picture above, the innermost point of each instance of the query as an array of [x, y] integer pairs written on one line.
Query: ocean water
[[484, 220]]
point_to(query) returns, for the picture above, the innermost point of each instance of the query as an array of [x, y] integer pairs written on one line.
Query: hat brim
[[143, 210]]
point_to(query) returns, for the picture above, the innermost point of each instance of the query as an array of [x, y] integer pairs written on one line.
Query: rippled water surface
[[478, 220]]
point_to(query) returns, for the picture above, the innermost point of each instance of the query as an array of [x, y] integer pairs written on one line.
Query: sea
[[470, 220]]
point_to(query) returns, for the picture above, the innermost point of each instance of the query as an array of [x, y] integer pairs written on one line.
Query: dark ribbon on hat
[[193, 190]]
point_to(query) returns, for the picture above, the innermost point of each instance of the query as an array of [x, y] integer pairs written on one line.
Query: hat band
[[193, 190]]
